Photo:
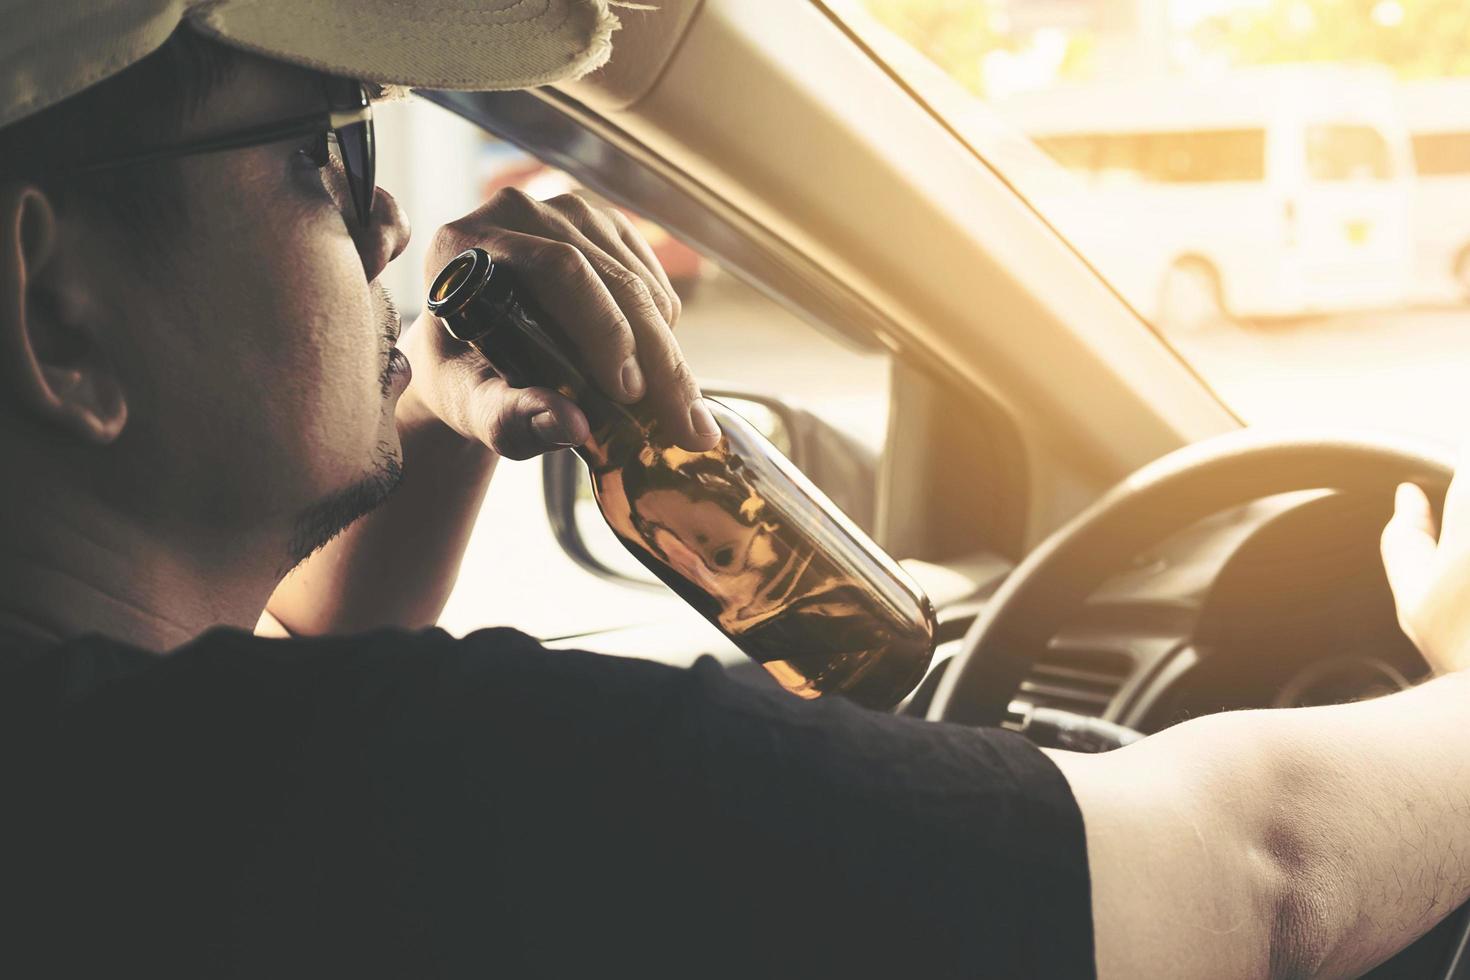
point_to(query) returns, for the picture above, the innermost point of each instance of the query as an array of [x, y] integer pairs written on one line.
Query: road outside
[[1404, 372]]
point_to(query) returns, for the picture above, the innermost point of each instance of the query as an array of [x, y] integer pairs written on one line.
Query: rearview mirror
[[843, 469]]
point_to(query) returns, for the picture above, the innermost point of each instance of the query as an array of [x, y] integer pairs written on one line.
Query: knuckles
[[647, 301], [448, 241], [674, 308], [506, 208], [563, 264], [511, 208], [509, 203], [576, 209], [634, 291]]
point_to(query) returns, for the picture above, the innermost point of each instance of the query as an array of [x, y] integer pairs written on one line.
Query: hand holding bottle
[[734, 530], [594, 273]]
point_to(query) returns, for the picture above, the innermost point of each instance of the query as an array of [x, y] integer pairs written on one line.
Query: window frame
[[552, 127]]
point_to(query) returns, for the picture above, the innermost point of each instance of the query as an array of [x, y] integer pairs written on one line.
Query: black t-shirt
[[412, 805]]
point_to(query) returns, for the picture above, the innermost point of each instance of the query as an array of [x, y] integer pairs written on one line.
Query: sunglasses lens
[[355, 143]]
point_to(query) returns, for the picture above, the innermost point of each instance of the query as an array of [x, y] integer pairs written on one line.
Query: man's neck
[[70, 567]]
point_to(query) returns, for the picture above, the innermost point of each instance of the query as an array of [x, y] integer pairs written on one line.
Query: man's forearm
[[397, 565], [1309, 842], [1377, 806]]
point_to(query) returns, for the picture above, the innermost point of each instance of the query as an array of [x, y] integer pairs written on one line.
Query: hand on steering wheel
[[1430, 574]]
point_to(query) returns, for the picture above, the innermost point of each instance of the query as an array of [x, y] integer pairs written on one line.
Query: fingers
[[519, 423], [610, 232], [638, 245], [1409, 551], [1411, 505], [673, 394], [601, 283]]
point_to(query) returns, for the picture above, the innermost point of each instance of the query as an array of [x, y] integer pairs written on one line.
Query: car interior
[[1102, 532]]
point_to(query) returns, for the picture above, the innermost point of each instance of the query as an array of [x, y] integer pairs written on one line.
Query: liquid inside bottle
[[737, 531]]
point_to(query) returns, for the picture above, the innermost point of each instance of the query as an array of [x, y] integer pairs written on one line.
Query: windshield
[[1280, 187]]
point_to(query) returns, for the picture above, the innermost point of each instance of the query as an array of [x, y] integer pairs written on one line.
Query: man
[[201, 391]]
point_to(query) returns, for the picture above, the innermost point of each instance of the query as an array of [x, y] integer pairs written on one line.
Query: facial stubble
[[320, 523]]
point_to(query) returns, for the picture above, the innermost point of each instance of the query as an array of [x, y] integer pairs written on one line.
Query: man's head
[[200, 341], [198, 346]]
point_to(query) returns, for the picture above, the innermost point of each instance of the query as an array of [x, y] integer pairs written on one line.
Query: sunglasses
[[346, 125]]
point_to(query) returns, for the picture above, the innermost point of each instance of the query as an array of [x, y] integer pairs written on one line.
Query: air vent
[[1079, 680]]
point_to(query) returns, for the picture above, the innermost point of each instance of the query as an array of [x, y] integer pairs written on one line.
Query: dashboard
[[1279, 603]]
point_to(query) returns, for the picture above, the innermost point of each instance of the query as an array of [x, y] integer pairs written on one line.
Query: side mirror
[[843, 468]]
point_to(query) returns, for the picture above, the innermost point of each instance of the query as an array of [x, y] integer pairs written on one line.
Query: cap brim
[[494, 44]]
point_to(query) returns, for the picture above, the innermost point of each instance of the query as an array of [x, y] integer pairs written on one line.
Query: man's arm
[[397, 565], [1279, 843], [1302, 842], [589, 268]]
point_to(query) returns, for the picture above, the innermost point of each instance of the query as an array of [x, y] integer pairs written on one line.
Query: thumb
[[519, 423], [1409, 550]]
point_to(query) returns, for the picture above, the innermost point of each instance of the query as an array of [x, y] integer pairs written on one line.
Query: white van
[[1262, 192], [1438, 117]]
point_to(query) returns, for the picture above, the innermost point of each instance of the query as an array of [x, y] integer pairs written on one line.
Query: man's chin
[[327, 518]]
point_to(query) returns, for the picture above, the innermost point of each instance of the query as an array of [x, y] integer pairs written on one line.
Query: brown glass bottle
[[737, 532]]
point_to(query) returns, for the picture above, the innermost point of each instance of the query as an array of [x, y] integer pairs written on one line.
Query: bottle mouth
[[459, 281]]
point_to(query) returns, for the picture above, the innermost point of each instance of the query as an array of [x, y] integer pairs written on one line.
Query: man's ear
[[53, 364]]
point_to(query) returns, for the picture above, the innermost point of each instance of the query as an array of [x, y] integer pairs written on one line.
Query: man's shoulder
[[386, 670], [89, 661]]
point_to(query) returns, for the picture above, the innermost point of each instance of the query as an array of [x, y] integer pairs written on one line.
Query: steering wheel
[[1158, 500]]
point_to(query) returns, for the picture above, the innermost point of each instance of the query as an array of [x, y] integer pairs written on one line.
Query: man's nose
[[385, 235]]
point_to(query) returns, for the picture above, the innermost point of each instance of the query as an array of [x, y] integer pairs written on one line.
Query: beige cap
[[52, 49]]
